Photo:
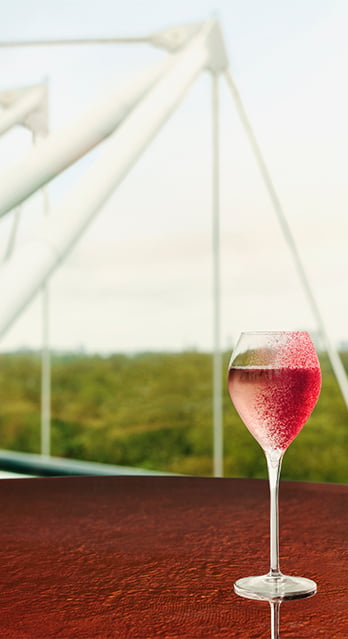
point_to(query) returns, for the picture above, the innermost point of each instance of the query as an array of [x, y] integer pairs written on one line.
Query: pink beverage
[[275, 402]]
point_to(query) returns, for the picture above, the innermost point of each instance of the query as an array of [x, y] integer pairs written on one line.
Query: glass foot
[[281, 588]]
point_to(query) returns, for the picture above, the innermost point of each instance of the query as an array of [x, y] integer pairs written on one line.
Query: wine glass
[[274, 381]]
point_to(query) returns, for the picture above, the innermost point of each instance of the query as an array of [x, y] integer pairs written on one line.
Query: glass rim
[[285, 332]]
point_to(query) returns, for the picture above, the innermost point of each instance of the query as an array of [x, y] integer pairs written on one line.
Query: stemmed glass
[[274, 381]]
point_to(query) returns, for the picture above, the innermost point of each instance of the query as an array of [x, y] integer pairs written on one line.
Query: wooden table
[[148, 557]]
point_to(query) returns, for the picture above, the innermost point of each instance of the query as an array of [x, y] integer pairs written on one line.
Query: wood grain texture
[[156, 557]]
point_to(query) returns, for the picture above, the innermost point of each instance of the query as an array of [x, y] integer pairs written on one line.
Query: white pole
[[28, 100], [217, 359], [38, 259], [45, 357], [45, 374], [62, 148], [335, 360]]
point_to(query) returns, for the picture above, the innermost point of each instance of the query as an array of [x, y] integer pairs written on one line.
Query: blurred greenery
[[154, 410]]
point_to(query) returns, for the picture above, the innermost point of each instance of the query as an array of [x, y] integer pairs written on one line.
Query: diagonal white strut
[[64, 147]]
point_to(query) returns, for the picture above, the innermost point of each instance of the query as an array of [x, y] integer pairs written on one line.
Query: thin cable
[[332, 352], [68, 42]]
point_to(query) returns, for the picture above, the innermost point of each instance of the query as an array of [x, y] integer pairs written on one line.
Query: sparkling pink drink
[[274, 403]]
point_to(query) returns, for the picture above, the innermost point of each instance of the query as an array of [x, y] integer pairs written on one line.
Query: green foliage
[[155, 411]]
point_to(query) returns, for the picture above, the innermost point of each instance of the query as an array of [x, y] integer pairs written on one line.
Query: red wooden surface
[[150, 557]]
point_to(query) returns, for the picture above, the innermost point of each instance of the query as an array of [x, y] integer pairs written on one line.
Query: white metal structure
[[27, 106], [129, 119]]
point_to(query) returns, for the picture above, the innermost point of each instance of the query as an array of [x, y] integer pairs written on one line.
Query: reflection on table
[[148, 557]]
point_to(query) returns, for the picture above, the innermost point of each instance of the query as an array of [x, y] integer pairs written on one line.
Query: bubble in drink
[[274, 403]]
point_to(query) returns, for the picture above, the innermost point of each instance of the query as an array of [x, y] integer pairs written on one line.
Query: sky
[[141, 277]]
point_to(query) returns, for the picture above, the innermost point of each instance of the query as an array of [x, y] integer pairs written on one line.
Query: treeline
[[154, 410]]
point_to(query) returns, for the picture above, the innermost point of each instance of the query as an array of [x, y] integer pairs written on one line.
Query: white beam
[[171, 38], [15, 44], [21, 278], [62, 148]]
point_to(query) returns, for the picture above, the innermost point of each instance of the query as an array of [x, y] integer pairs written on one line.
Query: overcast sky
[[141, 277]]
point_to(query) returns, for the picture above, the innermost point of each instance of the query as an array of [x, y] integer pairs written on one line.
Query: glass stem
[[274, 463], [275, 616]]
